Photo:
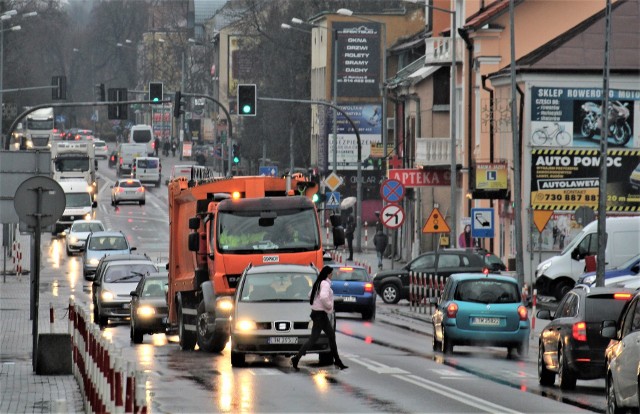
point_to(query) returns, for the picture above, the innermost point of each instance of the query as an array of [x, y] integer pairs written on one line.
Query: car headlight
[[225, 305], [106, 295], [73, 239], [145, 311], [87, 216], [543, 267], [94, 261], [589, 280], [246, 326]]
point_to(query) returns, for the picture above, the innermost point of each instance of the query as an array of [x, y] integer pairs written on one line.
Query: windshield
[[147, 163], [573, 242], [290, 231], [108, 243], [86, 227], [487, 291], [142, 136], [40, 125], [129, 273], [269, 287], [155, 287], [72, 164], [78, 200]]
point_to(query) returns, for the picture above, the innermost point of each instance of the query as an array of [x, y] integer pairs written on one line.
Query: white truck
[[75, 160], [39, 128], [79, 204]]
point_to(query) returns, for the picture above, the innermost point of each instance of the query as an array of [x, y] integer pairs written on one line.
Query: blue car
[[353, 290], [479, 309], [627, 270]]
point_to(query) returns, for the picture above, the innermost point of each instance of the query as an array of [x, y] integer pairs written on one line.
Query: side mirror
[[194, 223], [133, 293], [194, 242], [544, 314], [96, 282], [608, 330], [575, 254], [133, 248]]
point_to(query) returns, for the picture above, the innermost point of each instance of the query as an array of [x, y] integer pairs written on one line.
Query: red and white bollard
[[366, 237], [326, 225], [533, 311]]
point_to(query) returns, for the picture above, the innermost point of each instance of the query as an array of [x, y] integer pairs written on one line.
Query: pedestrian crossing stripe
[[333, 200]]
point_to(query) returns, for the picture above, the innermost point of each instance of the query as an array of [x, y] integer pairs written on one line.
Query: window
[[147, 163], [423, 262], [130, 184], [487, 291], [353, 275], [441, 88], [569, 307], [127, 273], [448, 260], [589, 245]]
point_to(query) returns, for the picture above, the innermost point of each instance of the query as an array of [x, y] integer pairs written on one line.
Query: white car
[[127, 189], [101, 148], [76, 236]]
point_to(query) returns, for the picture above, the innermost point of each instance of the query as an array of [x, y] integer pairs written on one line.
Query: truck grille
[[40, 141]]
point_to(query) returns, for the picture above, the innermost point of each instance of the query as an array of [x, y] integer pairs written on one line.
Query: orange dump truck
[[217, 227]]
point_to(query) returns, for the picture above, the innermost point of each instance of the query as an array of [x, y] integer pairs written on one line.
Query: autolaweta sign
[[568, 179]]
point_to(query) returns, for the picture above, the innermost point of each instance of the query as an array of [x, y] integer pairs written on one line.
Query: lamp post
[[6, 16], [454, 102]]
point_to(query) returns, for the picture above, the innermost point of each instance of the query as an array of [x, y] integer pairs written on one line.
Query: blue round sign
[[392, 191]]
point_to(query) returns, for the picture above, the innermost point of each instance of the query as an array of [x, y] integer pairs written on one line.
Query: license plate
[[349, 299], [485, 321], [278, 340]]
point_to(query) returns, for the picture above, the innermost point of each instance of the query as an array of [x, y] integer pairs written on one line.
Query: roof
[[576, 51], [107, 233], [472, 276], [412, 74], [487, 14], [276, 268], [115, 257]]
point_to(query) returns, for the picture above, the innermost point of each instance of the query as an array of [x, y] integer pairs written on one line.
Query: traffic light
[[99, 92], [236, 154], [247, 100], [155, 92], [59, 90], [178, 105], [117, 111], [319, 198]]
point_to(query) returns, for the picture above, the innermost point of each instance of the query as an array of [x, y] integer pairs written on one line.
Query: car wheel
[[187, 339], [207, 341], [561, 289], [237, 359], [446, 345], [142, 202], [567, 378], [69, 252], [96, 314], [390, 293], [612, 404], [103, 321], [113, 203], [325, 358], [523, 349], [136, 335], [545, 377], [369, 315]]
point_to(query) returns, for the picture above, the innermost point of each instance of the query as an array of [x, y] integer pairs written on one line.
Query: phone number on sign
[[567, 197]]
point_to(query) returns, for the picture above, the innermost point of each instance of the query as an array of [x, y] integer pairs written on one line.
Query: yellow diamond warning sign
[[436, 223]]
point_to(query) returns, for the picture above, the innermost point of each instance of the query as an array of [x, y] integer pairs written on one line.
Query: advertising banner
[[491, 176], [368, 120], [358, 59], [571, 117], [568, 179]]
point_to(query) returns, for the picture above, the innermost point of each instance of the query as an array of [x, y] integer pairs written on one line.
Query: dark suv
[[393, 285], [571, 345]]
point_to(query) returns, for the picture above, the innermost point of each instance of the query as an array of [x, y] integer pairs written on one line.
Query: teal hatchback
[[481, 309]]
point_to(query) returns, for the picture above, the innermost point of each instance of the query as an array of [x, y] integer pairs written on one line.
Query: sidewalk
[[21, 390]]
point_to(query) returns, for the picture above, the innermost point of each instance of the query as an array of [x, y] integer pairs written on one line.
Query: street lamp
[[347, 12], [453, 100], [6, 16]]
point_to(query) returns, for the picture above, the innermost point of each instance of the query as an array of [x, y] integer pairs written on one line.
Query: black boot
[[339, 364], [294, 361]]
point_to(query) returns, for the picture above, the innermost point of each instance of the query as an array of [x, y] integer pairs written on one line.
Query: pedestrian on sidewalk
[[321, 300], [380, 240], [379, 225], [349, 231]]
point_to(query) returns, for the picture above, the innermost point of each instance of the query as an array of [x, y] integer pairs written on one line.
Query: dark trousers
[[350, 245], [321, 323]]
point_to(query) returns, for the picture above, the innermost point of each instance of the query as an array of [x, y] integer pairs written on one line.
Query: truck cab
[[75, 160], [79, 204]]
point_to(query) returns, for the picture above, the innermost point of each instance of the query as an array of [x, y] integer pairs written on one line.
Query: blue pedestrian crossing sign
[[332, 199], [482, 223]]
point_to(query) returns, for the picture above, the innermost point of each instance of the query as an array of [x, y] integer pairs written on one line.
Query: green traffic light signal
[[246, 109], [236, 160], [315, 198], [247, 97]]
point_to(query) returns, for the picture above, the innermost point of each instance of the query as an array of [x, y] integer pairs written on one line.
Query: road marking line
[[454, 394], [377, 367]]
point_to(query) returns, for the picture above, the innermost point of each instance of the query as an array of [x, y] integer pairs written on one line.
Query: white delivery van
[[147, 170], [557, 275], [126, 154], [142, 134], [79, 205]]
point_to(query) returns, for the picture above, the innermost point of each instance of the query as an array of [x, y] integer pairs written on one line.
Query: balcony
[[434, 152], [438, 50]]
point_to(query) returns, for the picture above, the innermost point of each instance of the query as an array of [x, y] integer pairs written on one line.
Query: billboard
[[570, 117], [368, 119], [568, 179], [358, 58]]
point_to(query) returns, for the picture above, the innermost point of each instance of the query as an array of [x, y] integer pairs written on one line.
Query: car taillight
[[522, 312], [368, 287], [622, 296], [452, 310], [120, 161], [140, 190], [579, 331], [119, 190], [485, 271]]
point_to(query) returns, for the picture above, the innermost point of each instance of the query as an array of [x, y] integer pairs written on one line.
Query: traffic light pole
[[359, 168]]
